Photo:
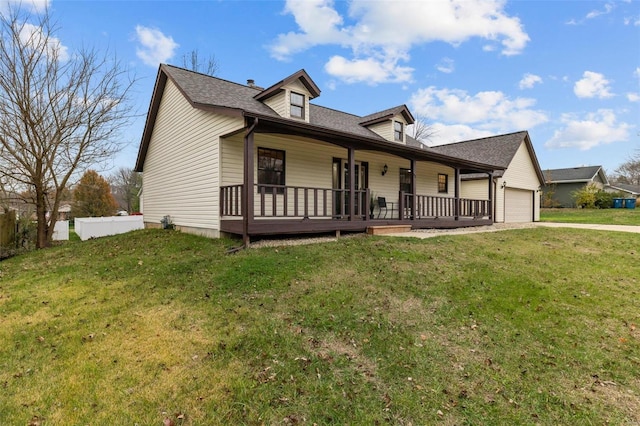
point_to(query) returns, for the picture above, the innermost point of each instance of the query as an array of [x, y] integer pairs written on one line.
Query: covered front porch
[[351, 202], [299, 210]]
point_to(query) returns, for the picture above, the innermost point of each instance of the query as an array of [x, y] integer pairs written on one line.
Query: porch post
[[247, 188], [352, 183], [491, 209], [456, 205], [414, 191]]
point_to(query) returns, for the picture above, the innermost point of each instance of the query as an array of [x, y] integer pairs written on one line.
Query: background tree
[[629, 171], [422, 130], [92, 197], [60, 112], [125, 185], [193, 62]]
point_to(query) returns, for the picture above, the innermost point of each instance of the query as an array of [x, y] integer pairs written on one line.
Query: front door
[[341, 185]]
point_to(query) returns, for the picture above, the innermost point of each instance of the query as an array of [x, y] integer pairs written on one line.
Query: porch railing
[[429, 206], [276, 201]]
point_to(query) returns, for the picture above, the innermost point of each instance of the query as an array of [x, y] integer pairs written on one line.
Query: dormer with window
[[390, 124], [290, 97]]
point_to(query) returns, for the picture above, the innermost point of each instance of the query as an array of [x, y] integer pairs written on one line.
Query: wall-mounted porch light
[[504, 184], [384, 170]]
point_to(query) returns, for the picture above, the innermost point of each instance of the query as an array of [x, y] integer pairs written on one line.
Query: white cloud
[[633, 97], [387, 34], [371, 70], [458, 113], [446, 65], [636, 73], [598, 128], [33, 6], [529, 80], [592, 85], [444, 134], [608, 7], [32, 36], [489, 110], [155, 47]]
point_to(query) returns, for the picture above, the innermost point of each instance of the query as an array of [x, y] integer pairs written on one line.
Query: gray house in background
[[560, 184], [629, 191]]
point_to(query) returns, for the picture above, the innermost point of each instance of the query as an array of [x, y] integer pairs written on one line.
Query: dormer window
[[398, 133], [297, 105]]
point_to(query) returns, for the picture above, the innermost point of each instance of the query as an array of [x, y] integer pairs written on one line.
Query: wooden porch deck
[[260, 227], [302, 210]]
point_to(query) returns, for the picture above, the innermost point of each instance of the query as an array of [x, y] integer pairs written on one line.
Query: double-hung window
[[398, 131], [297, 105]]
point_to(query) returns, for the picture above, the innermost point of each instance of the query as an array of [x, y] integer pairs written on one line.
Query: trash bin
[[617, 203], [630, 203]]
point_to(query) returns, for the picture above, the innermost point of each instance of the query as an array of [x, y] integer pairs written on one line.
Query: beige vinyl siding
[[279, 104], [521, 172], [386, 130], [181, 176], [475, 189]]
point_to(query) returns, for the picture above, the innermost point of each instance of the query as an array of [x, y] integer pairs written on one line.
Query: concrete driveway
[[428, 233]]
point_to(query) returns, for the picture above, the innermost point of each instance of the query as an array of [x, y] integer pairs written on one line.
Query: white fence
[[93, 227], [61, 230]]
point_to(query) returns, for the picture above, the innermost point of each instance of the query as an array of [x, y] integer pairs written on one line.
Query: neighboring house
[[225, 158], [516, 188], [629, 191], [560, 184]]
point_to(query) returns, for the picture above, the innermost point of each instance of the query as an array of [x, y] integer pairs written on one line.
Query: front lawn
[[530, 326], [596, 216]]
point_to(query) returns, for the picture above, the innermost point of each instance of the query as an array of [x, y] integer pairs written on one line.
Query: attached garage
[[516, 190], [519, 204]]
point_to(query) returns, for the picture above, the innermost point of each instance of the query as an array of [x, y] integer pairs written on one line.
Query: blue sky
[[566, 71]]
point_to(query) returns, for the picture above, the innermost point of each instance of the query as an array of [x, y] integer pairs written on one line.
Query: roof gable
[[388, 114], [301, 75], [575, 174], [220, 96], [498, 150]]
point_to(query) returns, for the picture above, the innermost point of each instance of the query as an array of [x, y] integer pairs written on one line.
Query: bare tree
[[60, 113], [629, 171], [125, 185], [421, 130], [192, 61]]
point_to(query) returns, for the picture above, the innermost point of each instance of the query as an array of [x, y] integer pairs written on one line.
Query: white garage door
[[518, 205]]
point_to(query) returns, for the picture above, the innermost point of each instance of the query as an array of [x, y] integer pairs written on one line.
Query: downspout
[[247, 196]]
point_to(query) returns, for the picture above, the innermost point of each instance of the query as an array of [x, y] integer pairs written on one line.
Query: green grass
[[531, 326], [596, 216]]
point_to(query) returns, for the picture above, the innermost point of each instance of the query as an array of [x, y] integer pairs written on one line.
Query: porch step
[[387, 229]]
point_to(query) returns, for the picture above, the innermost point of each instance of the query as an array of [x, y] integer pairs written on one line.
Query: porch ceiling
[[271, 125]]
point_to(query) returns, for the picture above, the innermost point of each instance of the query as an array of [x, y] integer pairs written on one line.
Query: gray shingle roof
[[574, 174], [634, 189], [206, 90], [498, 150], [388, 113], [212, 93]]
